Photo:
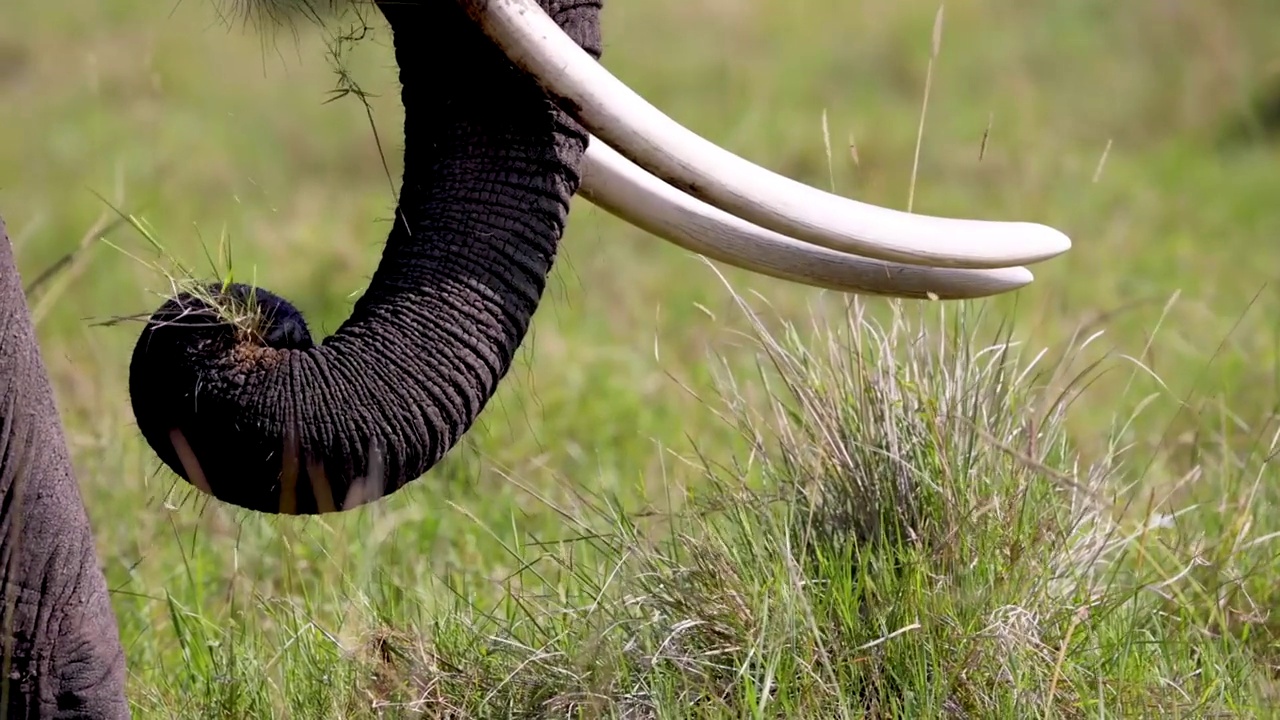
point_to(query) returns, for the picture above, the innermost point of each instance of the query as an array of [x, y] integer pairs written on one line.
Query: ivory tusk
[[646, 136], [620, 187]]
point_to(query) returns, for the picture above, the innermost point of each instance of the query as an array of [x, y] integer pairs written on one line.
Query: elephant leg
[[61, 654]]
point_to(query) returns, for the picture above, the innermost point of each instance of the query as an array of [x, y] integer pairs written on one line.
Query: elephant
[[508, 116]]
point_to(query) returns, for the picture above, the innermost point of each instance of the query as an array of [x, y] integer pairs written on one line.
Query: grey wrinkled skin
[[62, 656], [283, 424]]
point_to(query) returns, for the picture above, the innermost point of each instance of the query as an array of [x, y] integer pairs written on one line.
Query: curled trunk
[[260, 417]]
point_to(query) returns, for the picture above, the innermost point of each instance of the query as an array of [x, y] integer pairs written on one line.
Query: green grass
[[698, 494]]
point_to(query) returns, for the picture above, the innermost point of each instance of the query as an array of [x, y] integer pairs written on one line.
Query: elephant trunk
[[237, 400], [61, 654]]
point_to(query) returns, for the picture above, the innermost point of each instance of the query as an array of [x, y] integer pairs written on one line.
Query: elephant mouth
[[651, 171]]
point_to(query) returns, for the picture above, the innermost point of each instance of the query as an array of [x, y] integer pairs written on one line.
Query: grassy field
[[698, 496]]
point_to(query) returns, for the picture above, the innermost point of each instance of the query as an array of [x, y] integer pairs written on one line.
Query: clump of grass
[[223, 300], [912, 534]]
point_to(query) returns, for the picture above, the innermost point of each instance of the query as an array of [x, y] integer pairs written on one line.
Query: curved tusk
[[642, 133], [622, 188]]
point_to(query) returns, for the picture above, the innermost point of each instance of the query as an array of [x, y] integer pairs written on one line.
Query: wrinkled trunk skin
[[289, 427], [490, 167], [61, 654]]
